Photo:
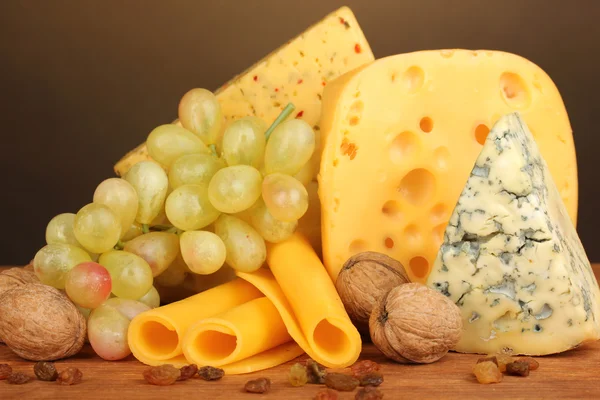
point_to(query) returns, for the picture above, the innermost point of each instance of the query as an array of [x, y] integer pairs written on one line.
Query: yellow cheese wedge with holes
[[401, 136]]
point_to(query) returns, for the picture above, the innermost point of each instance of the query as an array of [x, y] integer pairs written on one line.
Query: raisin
[[364, 367], [70, 376], [341, 382], [518, 368], [371, 379], [315, 372], [298, 376], [533, 364], [211, 373], [5, 371], [502, 360], [187, 371], [163, 375], [260, 385], [326, 394], [45, 371], [17, 378], [369, 393], [487, 372], [491, 358]]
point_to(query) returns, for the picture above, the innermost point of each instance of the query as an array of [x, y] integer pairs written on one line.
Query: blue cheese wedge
[[511, 258]]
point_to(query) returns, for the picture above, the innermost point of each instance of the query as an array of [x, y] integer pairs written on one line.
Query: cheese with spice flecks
[[297, 73], [511, 258]]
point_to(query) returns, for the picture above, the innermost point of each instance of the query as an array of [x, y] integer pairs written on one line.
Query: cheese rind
[[511, 258], [401, 136]]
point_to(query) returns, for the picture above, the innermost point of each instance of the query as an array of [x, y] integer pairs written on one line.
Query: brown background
[[82, 82]]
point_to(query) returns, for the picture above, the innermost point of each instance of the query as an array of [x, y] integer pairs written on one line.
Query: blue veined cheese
[[511, 258]]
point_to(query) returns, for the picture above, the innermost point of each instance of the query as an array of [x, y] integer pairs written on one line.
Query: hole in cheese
[[213, 345], [481, 133], [447, 53], [391, 208], [514, 91], [389, 242], [419, 266], [330, 339], [158, 340], [441, 155], [438, 234], [417, 186], [403, 146], [413, 79], [426, 124], [357, 246], [438, 212], [412, 234]]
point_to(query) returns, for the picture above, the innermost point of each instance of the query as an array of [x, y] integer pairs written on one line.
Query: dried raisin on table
[[518, 368], [5, 371], [369, 393], [298, 375], [70, 376], [326, 394], [364, 367], [341, 382], [260, 385], [163, 375], [17, 378], [315, 372], [371, 379], [487, 372], [45, 371], [533, 364], [211, 373], [502, 360], [491, 358], [187, 371]]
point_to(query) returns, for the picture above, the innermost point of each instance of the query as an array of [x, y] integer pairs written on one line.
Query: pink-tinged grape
[[246, 250], [174, 275], [131, 275], [151, 299], [88, 284], [244, 142], [97, 228], [235, 189], [194, 169], [108, 326], [285, 197], [151, 184], [203, 252], [200, 112], [269, 227], [188, 208], [134, 231], [118, 195], [290, 146], [158, 249], [52, 263], [168, 142]]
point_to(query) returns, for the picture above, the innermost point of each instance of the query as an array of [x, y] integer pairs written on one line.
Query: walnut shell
[[40, 323], [363, 280], [14, 277], [415, 324]]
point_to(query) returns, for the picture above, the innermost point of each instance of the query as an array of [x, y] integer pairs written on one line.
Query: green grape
[[270, 228], [60, 230], [203, 252], [127, 307], [188, 208], [285, 197], [194, 169], [246, 250], [158, 249], [151, 184], [151, 299], [131, 275], [306, 174], [174, 275], [97, 228], [118, 195], [235, 189], [52, 263], [290, 146], [168, 142], [200, 113], [244, 142], [134, 231]]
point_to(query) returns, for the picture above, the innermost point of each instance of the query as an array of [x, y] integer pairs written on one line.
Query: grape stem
[[213, 149], [120, 245], [145, 228], [164, 228], [280, 118]]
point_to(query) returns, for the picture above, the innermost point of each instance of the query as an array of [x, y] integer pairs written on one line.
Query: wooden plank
[[573, 374]]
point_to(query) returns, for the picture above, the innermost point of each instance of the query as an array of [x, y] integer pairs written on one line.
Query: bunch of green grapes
[[204, 207]]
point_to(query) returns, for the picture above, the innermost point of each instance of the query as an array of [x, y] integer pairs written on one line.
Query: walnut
[[40, 323], [415, 324], [364, 278], [14, 277]]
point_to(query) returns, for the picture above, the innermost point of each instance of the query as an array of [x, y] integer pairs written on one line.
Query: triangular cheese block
[[511, 258]]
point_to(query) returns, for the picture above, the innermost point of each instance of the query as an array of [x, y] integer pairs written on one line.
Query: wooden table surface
[[574, 374]]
